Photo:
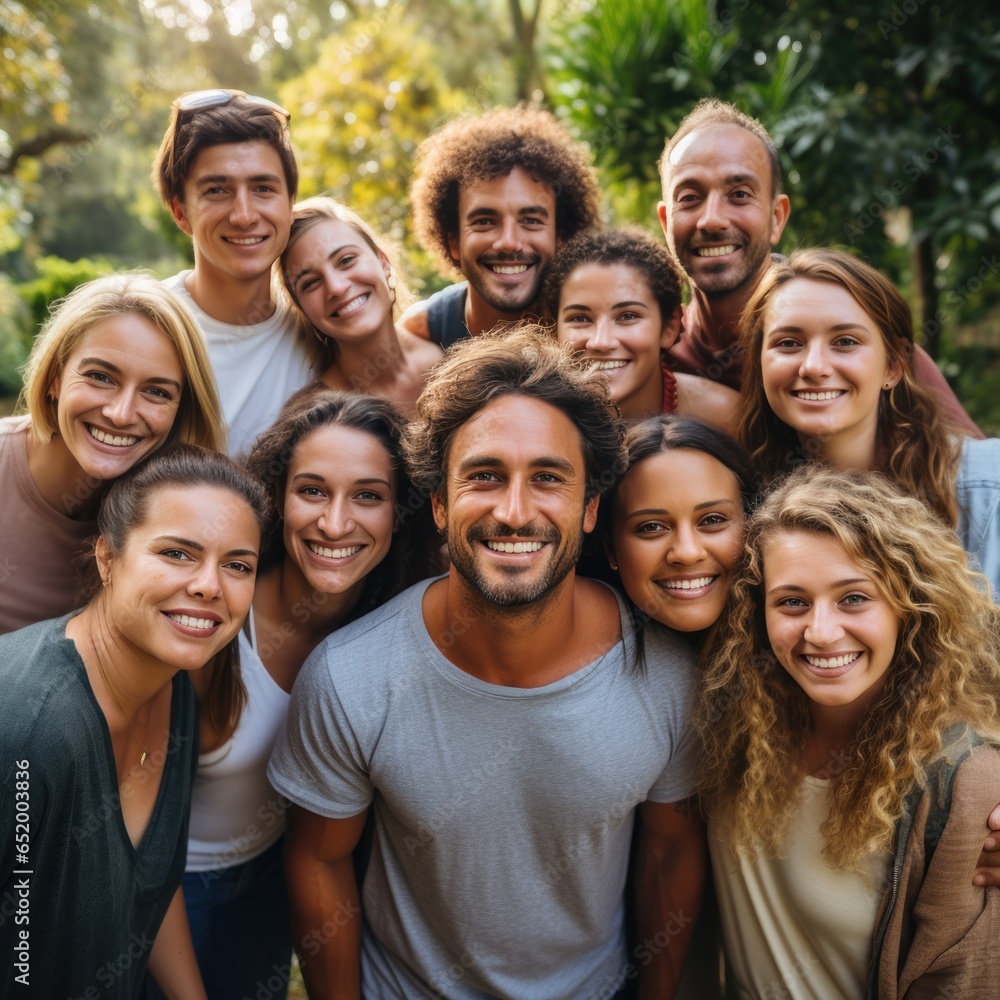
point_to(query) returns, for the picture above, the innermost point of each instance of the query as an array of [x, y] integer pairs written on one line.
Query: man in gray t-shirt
[[500, 725]]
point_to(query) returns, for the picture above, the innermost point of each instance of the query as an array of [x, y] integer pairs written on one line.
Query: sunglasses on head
[[200, 100]]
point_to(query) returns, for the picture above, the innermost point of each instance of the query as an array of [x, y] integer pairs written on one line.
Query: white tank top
[[235, 813]]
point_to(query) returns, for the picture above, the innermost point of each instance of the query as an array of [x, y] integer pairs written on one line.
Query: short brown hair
[[524, 362], [710, 112], [241, 120], [489, 146]]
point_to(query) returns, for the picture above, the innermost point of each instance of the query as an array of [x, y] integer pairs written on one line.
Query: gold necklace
[[107, 684]]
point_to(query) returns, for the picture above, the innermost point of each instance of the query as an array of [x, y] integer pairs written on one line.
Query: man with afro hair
[[493, 197]]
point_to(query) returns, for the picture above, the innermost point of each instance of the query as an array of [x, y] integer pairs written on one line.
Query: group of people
[[453, 643]]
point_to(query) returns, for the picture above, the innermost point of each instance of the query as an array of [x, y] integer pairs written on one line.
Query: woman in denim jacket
[[830, 379]]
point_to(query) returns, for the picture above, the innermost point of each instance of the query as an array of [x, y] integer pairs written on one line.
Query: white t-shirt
[[235, 813], [257, 366], [794, 926]]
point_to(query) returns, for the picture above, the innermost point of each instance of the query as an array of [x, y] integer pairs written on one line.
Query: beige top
[[794, 926], [40, 547]]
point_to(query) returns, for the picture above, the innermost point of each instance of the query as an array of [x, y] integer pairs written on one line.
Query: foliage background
[[884, 110]]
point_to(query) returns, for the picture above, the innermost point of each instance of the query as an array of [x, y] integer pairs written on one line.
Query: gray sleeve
[[318, 762], [672, 665]]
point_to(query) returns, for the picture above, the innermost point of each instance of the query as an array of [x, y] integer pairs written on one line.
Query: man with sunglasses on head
[[226, 171]]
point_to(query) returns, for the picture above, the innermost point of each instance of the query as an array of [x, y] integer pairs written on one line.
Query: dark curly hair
[[525, 362], [489, 146], [617, 246]]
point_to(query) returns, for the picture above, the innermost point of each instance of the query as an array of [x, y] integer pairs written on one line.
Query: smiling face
[[339, 282], [827, 621], [717, 212], [506, 239], [338, 511], [677, 537], [179, 590], [608, 313], [237, 209], [515, 509], [117, 395], [824, 366]]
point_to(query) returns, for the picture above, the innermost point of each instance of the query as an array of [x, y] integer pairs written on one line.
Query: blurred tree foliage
[[360, 112]]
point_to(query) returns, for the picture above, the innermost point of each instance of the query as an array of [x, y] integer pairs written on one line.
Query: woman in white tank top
[[343, 544]]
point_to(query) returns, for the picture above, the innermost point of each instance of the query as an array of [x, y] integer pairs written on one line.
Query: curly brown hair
[[524, 362], [491, 145], [632, 247], [753, 718], [916, 443]]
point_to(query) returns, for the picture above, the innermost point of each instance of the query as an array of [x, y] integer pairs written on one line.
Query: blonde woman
[[343, 278], [119, 371], [848, 712]]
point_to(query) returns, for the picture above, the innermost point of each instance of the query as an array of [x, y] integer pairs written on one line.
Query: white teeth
[[188, 622], [819, 396], [514, 546], [508, 268], [831, 662], [248, 241], [716, 251], [701, 581], [322, 550], [607, 366], [118, 440], [353, 306]]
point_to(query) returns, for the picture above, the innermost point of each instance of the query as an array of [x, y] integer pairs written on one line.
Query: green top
[[81, 905]]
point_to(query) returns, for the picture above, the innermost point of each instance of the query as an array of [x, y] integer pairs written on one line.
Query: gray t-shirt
[[503, 816]]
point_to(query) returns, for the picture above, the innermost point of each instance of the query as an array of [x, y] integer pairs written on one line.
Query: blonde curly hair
[[753, 718]]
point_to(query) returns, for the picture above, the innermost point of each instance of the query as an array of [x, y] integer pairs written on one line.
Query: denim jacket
[[978, 488]]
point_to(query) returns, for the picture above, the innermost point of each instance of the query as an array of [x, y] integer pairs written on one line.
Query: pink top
[[41, 548]]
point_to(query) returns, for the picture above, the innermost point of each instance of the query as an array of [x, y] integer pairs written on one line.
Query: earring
[[613, 565], [390, 280]]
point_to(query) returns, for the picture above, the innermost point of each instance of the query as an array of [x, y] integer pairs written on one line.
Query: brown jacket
[[937, 934]]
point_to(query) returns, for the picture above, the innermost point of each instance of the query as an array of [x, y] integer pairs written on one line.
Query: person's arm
[[326, 908], [942, 941], [710, 401], [172, 962], [988, 865], [414, 319], [929, 376], [670, 865]]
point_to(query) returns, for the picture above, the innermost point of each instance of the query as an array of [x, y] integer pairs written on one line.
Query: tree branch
[[40, 144]]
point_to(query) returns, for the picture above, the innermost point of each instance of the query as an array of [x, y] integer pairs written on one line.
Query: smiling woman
[[830, 378], [119, 371], [616, 299], [848, 717], [343, 278], [100, 714]]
